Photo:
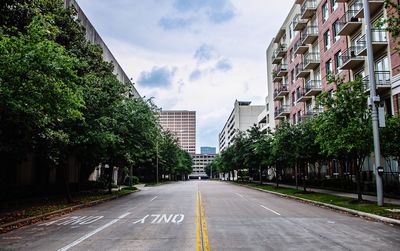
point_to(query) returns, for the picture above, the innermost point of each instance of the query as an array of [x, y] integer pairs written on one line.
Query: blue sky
[[197, 55]]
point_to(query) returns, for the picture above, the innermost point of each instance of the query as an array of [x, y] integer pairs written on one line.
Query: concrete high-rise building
[[93, 36], [200, 161], [183, 125], [320, 38], [208, 150], [243, 117]]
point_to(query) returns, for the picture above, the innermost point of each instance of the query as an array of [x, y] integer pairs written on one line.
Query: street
[[169, 217]]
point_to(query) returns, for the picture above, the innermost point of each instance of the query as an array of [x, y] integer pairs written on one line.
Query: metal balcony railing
[[308, 9], [313, 85], [379, 41], [349, 23], [309, 34], [382, 80], [350, 58], [311, 58]]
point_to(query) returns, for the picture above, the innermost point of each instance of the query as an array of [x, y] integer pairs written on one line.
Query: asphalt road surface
[[203, 215]]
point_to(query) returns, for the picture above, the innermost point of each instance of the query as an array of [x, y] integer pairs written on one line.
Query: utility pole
[[374, 102]]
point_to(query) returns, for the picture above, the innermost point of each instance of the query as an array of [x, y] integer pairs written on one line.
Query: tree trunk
[[358, 177], [110, 173], [260, 168], [66, 183], [276, 177], [304, 177]]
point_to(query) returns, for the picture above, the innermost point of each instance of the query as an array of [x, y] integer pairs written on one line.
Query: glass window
[[338, 60], [294, 119], [293, 98], [325, 11], [334, 5], [291, 55], [292, 76], [335, 28], [328, 67], [290, 31], [327, 40]]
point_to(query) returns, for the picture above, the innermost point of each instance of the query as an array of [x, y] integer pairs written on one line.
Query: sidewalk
[[343, 194]]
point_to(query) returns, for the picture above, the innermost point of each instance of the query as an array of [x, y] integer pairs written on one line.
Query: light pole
[[374, 103]]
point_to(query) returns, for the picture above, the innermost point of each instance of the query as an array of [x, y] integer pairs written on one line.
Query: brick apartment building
[[320, 38]]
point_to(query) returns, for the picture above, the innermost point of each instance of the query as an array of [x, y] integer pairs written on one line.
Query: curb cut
[[322, 204], [8, 227]]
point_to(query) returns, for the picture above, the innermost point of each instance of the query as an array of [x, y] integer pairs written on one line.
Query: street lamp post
[[374, 103], [157, 161]]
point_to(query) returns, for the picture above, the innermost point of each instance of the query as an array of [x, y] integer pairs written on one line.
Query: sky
[[197, 55]]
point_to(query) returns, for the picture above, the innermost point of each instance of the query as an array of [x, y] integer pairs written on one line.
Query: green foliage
[[390, 138]]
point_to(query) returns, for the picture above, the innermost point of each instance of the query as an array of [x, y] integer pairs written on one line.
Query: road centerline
[[270, 210], [88, 235], [154, 198]]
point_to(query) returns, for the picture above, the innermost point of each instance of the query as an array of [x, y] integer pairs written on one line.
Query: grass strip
[[350, 203]]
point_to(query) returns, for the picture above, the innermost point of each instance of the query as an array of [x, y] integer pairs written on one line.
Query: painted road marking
[[238, 194], [270, 210], [73, 220], [86, 236], [201, 227], [153, 198], [162, 219]]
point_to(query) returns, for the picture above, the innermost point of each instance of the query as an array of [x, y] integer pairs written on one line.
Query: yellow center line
[[201, 227]]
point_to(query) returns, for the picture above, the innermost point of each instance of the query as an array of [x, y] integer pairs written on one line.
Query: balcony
[[308, 9], [313, 87], [298, 23], [349, 23], [382, 81], [301, 72], [280, 34], [374, 7], [281, 92], [282, 112], [275, 58], [311, 61], [301, 96], [350, 60], [299, 47], [281, 51], [299, 1], [275, 77], [282, 70], [309, 113], [379, 42], [310, 34]]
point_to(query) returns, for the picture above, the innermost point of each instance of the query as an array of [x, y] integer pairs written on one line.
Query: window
[[328, 67], [325, 12], [293, 98], [294, 119], [299, 116], [291, 31], [334, 5], [336, 29], [327, 40], [338, 60], [292, 76], [291, 55]]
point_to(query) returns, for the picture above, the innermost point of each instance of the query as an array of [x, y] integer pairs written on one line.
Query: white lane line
[[86, 236], [238, 194], [153, 198], [270, 210]]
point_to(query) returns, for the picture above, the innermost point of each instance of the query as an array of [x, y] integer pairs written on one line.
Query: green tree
[[344, 130]]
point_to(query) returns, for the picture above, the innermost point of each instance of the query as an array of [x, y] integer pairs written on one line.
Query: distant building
[[200, 162], [208, 150], [243, 117], [183, 125]]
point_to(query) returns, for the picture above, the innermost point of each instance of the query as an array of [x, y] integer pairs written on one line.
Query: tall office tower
[[183, 125], [208, 150]]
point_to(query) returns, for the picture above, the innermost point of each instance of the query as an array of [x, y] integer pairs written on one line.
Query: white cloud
[[132, 31]]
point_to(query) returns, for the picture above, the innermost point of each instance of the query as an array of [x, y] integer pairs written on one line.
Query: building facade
[[93, 36], [183, 125], [200, 161], [322, 38], [242, 117], [208, 150]]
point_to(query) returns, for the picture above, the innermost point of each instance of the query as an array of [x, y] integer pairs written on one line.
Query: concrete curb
[[34, 219], [322, 204]]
